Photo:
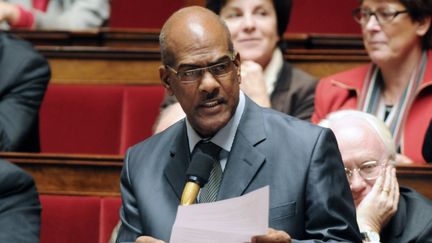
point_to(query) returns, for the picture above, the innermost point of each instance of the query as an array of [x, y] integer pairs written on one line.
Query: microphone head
[[200, 167]]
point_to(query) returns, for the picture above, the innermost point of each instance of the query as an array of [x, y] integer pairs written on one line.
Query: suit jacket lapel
[[244, 160], [176, 167]]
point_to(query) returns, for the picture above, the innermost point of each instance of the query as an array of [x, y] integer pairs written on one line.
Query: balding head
[[351, 126], [189, 27]]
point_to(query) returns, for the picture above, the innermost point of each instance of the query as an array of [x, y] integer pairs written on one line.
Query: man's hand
[[148, 239], [8, 12], [272, 236], [253, 83], [379, 206]]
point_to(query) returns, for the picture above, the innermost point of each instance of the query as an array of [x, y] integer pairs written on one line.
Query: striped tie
[[210, 190]]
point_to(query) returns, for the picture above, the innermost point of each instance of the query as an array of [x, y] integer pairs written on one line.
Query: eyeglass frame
[[203, 70], [349, 173], [378, 15]]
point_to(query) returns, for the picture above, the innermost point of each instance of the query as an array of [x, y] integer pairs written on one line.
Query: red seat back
[[78, 219], [97, 119]]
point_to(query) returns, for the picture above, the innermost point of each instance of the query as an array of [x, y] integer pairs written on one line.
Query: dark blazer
[[412, 221], [19, 205], [294, 92], [24, 75], [309, 194]]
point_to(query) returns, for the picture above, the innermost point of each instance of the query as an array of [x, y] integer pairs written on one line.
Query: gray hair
[[376, 124]]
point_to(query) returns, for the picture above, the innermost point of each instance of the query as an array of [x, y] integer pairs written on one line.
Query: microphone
[[197, 176], [427, 144]]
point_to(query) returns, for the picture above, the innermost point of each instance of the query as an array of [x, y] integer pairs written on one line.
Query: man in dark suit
[[309, 194], [24, 76], [19, 205]]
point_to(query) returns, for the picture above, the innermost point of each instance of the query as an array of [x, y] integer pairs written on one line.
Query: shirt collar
[[271, 72], [224, 138]]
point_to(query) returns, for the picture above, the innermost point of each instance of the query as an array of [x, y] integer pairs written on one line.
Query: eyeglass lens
[[368, 170], [218, 70], [362, 16]]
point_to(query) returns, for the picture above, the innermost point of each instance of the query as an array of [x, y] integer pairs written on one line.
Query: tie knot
[[209, 148]]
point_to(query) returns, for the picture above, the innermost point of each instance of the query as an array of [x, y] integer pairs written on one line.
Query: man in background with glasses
[[251, 147], [385, 211]]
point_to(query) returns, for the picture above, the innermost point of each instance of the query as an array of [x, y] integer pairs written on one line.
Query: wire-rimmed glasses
[[219, 70], [368, 170]]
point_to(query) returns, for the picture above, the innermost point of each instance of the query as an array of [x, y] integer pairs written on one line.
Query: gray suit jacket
[[19, 205], [309, 193], [24, 76]]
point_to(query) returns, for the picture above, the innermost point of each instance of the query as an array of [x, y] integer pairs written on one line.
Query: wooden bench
[[72, 174], [116, 56]]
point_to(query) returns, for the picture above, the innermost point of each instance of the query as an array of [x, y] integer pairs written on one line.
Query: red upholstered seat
[[140, 110], [71, 219], [110, 215], [97, 119]]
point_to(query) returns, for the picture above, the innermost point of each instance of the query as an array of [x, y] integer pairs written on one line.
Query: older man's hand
[[148, 239], [379, 206], [8, 12], [273, 236]]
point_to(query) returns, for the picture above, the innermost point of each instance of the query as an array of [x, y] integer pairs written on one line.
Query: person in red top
[[397, 85], [58, 14]]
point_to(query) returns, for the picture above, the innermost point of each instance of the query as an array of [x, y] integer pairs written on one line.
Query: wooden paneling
[[149, 38], [131, 56], [126, 65], [418, 177], [113, 65], [68, 174], [93, 71]]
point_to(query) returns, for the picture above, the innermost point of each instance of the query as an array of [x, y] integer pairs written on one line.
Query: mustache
[[212, 97]]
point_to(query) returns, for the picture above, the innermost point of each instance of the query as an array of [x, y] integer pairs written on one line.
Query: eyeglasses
[[383, 16], [368, 170], [219, 71]]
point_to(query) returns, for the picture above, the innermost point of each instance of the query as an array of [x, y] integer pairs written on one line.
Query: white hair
[[376, 124]]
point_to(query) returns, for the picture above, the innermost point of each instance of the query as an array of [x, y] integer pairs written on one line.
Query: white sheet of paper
[[234, 220]]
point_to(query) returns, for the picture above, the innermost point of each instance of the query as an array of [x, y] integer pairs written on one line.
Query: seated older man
[[385, 211]]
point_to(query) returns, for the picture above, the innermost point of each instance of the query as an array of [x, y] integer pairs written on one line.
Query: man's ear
[[424, 26], [165, 79], [237, 60], [237, 63]]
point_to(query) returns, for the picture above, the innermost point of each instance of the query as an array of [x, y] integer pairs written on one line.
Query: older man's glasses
[[368, 170], [383, 16], [219, 70]]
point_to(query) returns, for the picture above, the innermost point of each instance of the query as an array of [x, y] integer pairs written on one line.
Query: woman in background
[[397, 85]]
